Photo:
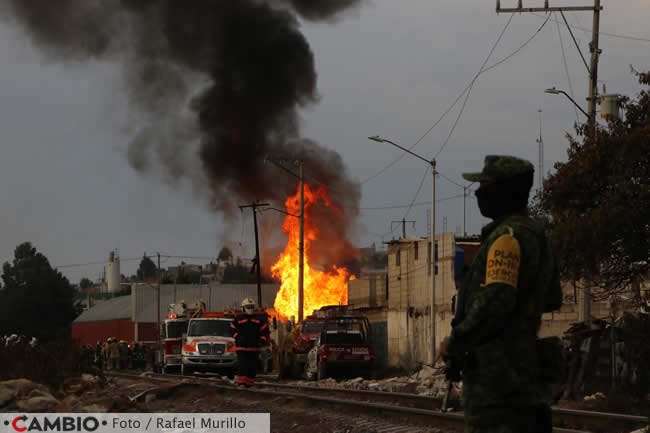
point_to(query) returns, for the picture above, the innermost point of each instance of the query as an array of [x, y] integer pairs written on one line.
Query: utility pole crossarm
[[555, 9]]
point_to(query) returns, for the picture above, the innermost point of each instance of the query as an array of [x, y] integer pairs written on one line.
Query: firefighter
[[251, 332], [124, 355], [98, 355], [113, 352], [105, 346]]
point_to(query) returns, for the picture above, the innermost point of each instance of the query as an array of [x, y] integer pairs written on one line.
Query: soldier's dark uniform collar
[[485, 231]]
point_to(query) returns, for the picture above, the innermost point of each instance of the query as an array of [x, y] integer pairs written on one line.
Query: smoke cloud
[[215, 85]]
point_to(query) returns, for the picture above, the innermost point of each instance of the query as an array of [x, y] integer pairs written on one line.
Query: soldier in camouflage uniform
[[513, 280]]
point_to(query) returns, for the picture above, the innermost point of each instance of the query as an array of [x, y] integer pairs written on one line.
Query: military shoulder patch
[[503, 259]]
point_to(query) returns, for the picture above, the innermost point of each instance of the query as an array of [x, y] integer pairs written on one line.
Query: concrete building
[[398, 301], [409, 298]]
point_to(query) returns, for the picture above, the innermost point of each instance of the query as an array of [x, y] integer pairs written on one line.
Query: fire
[[320, 288]]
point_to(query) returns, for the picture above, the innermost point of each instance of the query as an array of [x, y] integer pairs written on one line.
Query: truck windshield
[[343, 338], [312, 327], [176, 329], [216, 328]]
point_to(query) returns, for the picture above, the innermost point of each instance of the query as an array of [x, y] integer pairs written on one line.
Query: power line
[[450, 180], [611, 35], [417, 192], [469, 91], [453, 104], [566, 67], [584, 61], [460, 113], [74, 265], [402, 206]]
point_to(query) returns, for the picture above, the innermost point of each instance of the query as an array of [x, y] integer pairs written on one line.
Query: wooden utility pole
[[301, 242], [160, 353], [403, 223], [258, 262], [593, 89], [301, 248]]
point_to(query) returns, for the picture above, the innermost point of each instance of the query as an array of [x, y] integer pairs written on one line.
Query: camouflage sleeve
[[490, 305]]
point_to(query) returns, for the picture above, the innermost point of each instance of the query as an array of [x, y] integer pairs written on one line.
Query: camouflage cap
[[500, 167]]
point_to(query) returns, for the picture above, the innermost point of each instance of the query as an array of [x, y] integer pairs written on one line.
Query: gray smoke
[[221, 80]]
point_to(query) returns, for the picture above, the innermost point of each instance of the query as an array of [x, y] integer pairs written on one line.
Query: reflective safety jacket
[[251, 331]]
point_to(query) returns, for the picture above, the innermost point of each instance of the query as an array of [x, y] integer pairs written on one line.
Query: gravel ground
[[287, 413]]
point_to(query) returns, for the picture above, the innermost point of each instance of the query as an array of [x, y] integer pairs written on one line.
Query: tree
[[37, 301], [85, 284], [147, 269], [598, 202], [224, 254]]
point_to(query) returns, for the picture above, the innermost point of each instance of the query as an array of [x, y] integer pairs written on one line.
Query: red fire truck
[[209, 344], [172, 331]]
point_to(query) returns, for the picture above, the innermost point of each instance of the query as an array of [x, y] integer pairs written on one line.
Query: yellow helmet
[[248, 301]]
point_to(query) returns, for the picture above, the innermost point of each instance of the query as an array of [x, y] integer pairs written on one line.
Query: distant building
[[134, 318]]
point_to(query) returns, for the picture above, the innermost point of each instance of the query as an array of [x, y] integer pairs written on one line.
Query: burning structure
[[221, 80]]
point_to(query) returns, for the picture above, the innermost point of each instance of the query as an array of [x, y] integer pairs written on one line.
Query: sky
[[390, 68]]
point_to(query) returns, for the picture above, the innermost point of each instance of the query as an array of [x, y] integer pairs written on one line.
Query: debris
[[69, 404], [38, 404], [7, 395], [21, 387], [425, 372], [94, 408], [596, 396]]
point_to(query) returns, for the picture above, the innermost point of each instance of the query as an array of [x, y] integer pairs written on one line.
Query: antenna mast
[[540, 153]]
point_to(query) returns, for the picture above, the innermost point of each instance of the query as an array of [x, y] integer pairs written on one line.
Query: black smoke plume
[[222, 80]]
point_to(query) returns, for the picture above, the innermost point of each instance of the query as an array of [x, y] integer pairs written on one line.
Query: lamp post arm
[[400, 147], [574, 102]]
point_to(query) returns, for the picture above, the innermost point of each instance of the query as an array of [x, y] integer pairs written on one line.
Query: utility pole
[[432, 264], [301, 248], [403, 223], [258, 262], [593, 89], [160, 354], [464, 210], [301, 241], [432, 249]]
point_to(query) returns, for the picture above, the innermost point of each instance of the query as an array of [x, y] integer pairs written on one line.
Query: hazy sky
[[391, 69]]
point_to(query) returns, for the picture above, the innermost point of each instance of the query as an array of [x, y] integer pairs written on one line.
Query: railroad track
[[422, 410]]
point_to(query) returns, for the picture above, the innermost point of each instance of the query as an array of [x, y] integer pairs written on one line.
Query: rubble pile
[[427, 381], [84, 393]]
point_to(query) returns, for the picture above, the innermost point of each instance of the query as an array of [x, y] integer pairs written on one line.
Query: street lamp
[[554, 91], [432, 263]]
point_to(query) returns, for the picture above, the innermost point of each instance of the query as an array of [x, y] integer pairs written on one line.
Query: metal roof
[[140, 306], [111, 309]]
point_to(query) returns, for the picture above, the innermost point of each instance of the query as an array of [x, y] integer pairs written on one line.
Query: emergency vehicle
[[172, 331], [209, 344], [293, 357], [343, 346]]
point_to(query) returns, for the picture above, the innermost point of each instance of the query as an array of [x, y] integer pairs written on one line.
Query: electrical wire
[[417, 193], [584, 61], [460, 113], [611, 35], [402, 206], [450, 180], [453, 104], [566, 68]]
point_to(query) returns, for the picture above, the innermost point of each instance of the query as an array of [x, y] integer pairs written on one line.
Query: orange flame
[[320, 288]]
